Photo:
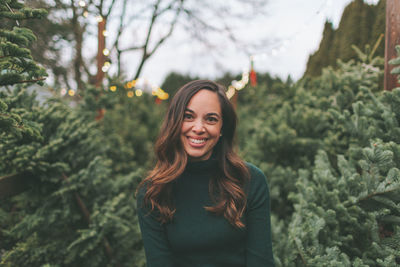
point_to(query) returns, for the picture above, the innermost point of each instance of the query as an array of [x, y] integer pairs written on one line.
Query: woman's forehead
[[205, 100]]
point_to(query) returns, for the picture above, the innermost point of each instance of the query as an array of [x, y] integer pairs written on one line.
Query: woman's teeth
[[197, 141]]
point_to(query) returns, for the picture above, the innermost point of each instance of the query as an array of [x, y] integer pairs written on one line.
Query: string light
[[82, 3], [142, 85], [138, 92], [157, 91], [71, 92], [238, 85], [106, 66], [63, 92], [85, 14], [105, 33], [106, 52], [99, 18], [282, 45]]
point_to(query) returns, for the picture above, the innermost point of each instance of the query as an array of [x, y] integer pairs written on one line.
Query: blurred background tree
[[133, 27], [361, 24]]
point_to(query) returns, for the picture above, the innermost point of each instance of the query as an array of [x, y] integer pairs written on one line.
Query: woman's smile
[[197, 142]]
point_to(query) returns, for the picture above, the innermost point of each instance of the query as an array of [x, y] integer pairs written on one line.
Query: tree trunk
[[392, 39]]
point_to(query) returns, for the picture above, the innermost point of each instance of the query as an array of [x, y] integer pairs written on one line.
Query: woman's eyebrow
[[189, 110], [213, 114]]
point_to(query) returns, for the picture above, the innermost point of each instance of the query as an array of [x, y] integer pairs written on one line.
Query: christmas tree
[[330, 149], [76, 209]]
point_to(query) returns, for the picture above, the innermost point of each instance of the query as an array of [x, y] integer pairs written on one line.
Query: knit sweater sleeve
[[155, 241], [258, 241]]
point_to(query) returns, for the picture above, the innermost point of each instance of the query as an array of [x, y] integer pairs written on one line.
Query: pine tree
[[360, 25], [329, 148], [16, 62], [396, 61], [77, 210], [322, 57]]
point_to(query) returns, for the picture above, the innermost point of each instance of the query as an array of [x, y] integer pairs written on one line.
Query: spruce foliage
[[330, 149], [78, 209], [16, 63]]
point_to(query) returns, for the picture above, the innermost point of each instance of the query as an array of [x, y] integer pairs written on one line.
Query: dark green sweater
[[197, 237]]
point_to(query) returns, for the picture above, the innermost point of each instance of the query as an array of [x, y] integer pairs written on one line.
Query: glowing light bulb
[[130, 94], [106, 52], [113, 88], [71, 92], [105, 68], [230, 92], [138, 92]]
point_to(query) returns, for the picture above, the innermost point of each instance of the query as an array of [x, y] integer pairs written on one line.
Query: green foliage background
[[329, 146], [361, 24]]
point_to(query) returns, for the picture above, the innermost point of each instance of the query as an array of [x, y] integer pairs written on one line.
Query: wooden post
[[101, 26], [392, 38]]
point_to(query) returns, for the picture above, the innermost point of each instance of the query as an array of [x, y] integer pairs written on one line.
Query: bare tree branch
[[143, 27], [110, 8], [146, 54]]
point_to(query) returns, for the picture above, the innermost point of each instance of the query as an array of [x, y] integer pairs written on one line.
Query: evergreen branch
[[31, 81], [8, 176], [369, 196], [300, 252], [86, 215], [12, 12], [378, 42]]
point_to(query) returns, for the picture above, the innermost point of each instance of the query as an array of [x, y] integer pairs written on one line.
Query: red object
[[253, 75], [158, 100], [253, 78]]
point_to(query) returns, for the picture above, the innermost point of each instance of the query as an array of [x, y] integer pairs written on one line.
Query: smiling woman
[[201, 127], [202, 205]]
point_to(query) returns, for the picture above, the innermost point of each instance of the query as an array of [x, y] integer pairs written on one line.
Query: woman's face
[[202, 125]]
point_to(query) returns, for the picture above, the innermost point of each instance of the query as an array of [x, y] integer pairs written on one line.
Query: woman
[[202, 205]]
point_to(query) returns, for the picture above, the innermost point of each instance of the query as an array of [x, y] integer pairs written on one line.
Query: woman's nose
[[198, 126]]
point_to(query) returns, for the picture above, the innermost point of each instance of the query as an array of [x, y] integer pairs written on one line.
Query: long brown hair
[[226, 189]]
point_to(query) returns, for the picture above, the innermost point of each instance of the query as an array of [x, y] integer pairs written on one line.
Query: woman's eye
[[212, 119], [188, 116]]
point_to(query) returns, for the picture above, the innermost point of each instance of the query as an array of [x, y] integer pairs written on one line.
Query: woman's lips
[[197, 142]]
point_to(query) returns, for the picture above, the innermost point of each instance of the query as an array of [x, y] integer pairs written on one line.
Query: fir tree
[[396, 61], [77, 210], [329, 148], [360, 25], [16, 62]]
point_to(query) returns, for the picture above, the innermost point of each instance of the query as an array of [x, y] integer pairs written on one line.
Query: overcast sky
[[294, 26]]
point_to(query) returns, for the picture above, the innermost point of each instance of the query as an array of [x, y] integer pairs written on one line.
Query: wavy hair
[[226, 188]]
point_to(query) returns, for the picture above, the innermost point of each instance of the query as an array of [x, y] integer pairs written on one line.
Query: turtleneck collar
[[201, 166]]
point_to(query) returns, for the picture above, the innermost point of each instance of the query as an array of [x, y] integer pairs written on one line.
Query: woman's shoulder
[[258, 181], [256, 173], [141, 192], [257, 190]]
